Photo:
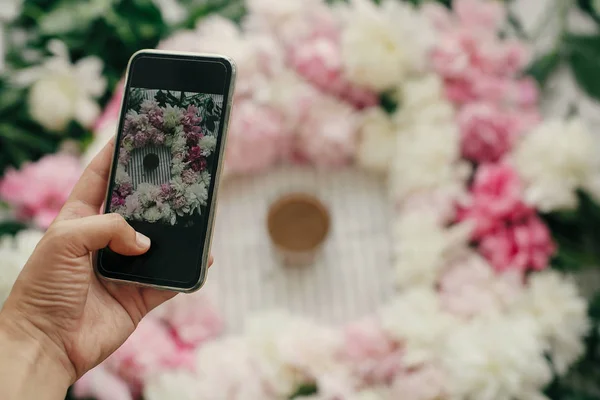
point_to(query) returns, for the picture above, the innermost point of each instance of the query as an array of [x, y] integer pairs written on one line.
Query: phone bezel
[[228, 102]]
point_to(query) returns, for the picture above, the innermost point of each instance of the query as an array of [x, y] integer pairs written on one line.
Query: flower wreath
[[187, 191], [435, 100]]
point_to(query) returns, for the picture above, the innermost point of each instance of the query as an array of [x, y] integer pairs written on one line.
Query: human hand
[[59, 314]]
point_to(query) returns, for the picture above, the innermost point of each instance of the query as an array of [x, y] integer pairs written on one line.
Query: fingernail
[[142, 240]]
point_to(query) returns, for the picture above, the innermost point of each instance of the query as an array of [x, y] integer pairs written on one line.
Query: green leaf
[[305, 390], [591, 7], [24, 138], [10, 227], [583, 52], [542, 68]]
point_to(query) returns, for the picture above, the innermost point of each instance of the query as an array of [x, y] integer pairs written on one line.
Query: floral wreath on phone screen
[[189, 138]]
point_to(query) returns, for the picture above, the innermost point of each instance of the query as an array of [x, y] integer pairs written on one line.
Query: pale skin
[[60, 319]]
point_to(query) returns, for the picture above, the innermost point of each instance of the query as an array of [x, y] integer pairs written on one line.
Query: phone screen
[[168, 153]]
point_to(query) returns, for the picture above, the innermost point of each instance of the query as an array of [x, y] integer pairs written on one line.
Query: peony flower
[[257, 55], [290, 21], [149, 350], [193, 318], [487, 132], [440, 205], [416, 319], [555, 160], [256, 139], [101, 384], [229, 369], [424, 383], [373, 356], [377, 140], [180, 385], [554, 302], [475, 63], [208, 144], [14, 253], [39, 190], [382, 45], [480, 15], [110, 114], [496, 197], [423, 247], [522, 245], [495, 357], [318, 60], [62, 91], [422, 100], [296, 351], [172, 116], [427, 157], [470, 287], [328, 133]]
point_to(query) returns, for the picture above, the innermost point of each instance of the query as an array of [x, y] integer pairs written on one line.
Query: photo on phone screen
[[166, 163], [168, 143]]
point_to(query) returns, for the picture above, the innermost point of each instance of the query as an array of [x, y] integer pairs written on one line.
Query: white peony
[[423, 100], [295, 351], [377, 140], [496, 357], [553, 301], [427, 157], [14, 253], [423, 247], [382, 45], [227, 369], [555, 160], [257, 56], [416, 319], [208, 144], [121, 175], [172, 117], [152, 214], [179, 385], [62, 91], [10, 9], [288, 20], [172, 11]]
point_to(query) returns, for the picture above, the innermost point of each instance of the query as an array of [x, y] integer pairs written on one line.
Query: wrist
[[31, 365]]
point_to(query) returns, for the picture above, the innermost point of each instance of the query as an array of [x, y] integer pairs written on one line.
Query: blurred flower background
[[454, 142]]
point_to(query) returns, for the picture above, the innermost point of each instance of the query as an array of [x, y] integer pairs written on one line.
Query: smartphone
[[165, 171]]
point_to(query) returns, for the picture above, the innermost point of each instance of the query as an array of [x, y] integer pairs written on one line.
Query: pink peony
[[372, 355], [112, 110], [101, 384], [38, 190], [318, 60], [470, 287], [479, 15], [327, 135], [488, 133], [426, 382], [477, 65], [522, 245], [256, 139], [149, 350], [193, 319], [496, 197]]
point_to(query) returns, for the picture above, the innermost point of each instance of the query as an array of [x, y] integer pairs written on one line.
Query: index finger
[[89, 192]]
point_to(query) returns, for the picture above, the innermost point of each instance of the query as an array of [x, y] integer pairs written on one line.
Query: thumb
[[84, 235]]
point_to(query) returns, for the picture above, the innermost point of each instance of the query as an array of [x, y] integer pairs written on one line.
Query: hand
[[58, 306]]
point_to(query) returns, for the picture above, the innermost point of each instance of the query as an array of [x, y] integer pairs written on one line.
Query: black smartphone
[[165, 171]]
